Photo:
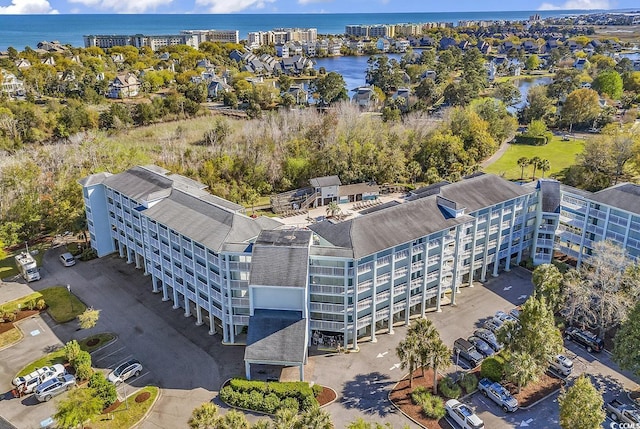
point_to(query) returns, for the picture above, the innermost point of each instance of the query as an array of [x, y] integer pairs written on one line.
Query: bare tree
[[602, 291]]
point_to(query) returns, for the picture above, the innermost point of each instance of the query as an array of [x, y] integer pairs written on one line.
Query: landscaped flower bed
[[268, 397]]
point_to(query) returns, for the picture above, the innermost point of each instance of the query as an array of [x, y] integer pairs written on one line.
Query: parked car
[[47, 390], [481, 345], [67, 259], [492, 325], [504, 317], [561, 364], [124, 371], [29, 385], [515, 313], [463, 415], [467, 351], [49, 371], [489, 337], [498, 394], [589, 341], [620, 412]]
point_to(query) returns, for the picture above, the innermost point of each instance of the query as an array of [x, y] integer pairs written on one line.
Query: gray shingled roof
[[405, 222], [140, 184], [550, 192], [321, 182], [94, 179], [206, 223], [625, 196], [276, 337], [281, 258]]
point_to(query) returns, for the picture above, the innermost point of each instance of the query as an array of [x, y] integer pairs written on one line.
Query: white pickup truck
[[624, 413], [27, 383]]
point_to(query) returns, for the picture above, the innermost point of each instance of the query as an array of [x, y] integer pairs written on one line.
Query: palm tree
[[262, 424], [522, 163], [535, 161], [333, 209], [316, 418], [440, 356], [204, 417], [544, 166], [521, 368], [408, 352], [285, 418], [233, 420], [425, 333]]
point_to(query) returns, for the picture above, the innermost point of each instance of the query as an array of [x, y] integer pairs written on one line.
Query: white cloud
[[313, 1], [229, 6], [578, 4], [120, 6], [22, 7]]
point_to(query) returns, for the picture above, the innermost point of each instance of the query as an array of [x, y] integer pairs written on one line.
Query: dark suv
[[586, 339], [467, 351]]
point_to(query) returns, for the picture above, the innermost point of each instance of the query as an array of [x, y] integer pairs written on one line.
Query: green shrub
[[449, 388], [83, 371], [532, 140], [41, 304], [10, 316], [290, 403], [103, 389], [469, 383], [492, 369], [432, 406], [317, 389], [88, 254], [72, 350], [271, 403], [31, 304]]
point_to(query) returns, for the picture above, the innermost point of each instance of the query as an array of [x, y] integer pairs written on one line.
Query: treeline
[[241, 160]]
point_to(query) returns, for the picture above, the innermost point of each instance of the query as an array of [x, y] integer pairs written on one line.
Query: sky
[[19, 7]]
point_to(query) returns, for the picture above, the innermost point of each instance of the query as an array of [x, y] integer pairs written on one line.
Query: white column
[[483, 275], [212, 323], [247, 370], [355, 306], [129, 258], [391, 286], [301, 372], [165, 291], [154, 282], [374, 290], [472, 257], [120, 249], [456, 257], [496, 261], [507, 265], [175, 298], [439, 296], [198, 315]]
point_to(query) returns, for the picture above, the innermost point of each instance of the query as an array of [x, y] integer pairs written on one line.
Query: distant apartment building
[[280, 36], [354, 278], [154, 42], [220, 36]]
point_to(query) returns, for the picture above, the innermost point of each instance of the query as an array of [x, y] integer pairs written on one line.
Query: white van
[[561, 364]]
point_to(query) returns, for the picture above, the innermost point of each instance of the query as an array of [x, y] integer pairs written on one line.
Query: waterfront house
[[217, 87], [383, 45], [11, 85], [364, 97], [23, 63]]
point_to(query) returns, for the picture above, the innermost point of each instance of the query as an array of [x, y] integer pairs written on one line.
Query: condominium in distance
[[191, 38], [271, 287]]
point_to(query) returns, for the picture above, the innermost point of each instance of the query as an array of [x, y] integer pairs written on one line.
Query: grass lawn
[[12, 306], [561, 154], [8, 266], [102, 339], [10, 337], [63, 306], [46, 360], [129, 414]]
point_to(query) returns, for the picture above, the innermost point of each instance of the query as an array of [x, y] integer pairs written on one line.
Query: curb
[[115, 338], [143, 418], [15, 342], [334, 399]]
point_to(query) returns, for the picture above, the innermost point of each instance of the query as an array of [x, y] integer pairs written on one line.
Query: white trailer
[[28, 267]]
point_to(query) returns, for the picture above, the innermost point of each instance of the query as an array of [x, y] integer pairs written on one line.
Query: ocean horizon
[[19, 31]]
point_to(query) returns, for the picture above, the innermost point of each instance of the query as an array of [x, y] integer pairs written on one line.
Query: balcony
[[325, 325], [326, 308], [364, 286], [239, 266], [327, 290], [383, 296], [385, 260], [399, 272], [400, 289], [418, 248], [417, 266], [364, 321], [365, 268], [364, 304], [326, 271]]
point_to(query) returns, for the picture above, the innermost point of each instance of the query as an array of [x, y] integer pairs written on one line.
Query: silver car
[[47, 390], [131, 368]]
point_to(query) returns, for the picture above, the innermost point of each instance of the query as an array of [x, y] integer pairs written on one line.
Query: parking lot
[[190, 366]]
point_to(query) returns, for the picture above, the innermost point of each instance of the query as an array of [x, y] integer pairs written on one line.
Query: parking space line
[[113, 365], [106, 356]]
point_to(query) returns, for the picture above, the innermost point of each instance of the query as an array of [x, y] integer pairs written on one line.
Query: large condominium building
[[155, 42], [221, 36], [262, 283], [373, 31], [279, 36]]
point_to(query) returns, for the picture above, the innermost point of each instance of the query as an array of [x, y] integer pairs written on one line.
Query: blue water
[[27, 30]]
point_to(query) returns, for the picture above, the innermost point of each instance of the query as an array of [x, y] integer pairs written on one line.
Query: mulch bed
[[22, 314], [111, 408], [93, 341], [327, 395], [533, 392], [141, 397], [401, 397]]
